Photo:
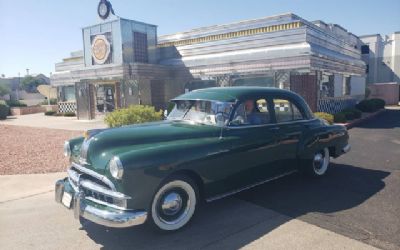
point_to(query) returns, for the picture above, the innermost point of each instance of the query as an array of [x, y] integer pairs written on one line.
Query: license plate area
[[66, 199]]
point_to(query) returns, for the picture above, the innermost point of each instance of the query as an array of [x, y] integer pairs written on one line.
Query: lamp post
[[48, 97], [19, 83]]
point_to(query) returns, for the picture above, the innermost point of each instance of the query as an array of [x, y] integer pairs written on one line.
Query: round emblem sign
[[100, 49]]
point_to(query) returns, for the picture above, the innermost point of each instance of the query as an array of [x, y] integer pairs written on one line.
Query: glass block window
[[140, 47]]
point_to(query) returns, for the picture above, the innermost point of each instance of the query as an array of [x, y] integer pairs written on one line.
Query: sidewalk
[[28, 202], [14, 187], [55, 122]]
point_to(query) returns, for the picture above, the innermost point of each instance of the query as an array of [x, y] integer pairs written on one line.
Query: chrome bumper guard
[[346, 148], [110, 217]]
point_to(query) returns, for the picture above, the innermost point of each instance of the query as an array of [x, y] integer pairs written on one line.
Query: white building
[[382, 57]]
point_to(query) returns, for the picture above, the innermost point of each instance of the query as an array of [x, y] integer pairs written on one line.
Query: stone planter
[[27, 110], [50, 108]]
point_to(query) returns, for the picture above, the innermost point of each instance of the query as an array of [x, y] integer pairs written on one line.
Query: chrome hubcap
[[318, 161], [171, 204]]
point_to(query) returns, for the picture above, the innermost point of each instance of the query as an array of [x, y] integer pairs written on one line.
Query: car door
[[252, 147], [290, 124]]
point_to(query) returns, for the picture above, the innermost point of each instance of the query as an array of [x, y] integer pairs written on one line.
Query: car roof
[[231, 94]]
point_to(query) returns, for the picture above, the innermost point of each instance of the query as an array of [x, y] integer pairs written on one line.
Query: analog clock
[[103, 9]]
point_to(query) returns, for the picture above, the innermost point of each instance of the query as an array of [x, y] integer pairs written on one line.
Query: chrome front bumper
[[346, 148], [107, 216]]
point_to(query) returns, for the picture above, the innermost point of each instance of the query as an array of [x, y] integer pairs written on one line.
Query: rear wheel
[[174, 204], [318, 165]]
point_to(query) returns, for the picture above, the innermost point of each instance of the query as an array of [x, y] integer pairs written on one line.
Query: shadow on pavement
[[344, 187], [389, 119]]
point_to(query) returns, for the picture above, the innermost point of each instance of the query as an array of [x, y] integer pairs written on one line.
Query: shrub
[[4, 110], [69, 114], [340, 117], [379, 103], [132, 115], [52, 102], [371, 105], [15, 103], [327, 117], [352, 113], [50, 112]]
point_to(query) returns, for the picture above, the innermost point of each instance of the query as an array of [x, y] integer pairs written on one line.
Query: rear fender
[[314, 140]]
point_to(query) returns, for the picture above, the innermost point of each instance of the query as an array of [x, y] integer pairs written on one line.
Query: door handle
[[275, 128]]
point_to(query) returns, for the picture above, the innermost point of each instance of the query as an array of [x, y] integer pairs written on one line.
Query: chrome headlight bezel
[[67, 149], [116, 168]]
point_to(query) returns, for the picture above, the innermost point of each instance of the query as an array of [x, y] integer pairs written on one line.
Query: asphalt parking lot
[[360, 196], [356, 206]]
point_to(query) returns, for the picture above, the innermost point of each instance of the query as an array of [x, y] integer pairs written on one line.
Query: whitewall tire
[[320, 162], [174, 204]]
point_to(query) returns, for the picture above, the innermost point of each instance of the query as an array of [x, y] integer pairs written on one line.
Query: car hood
[[105, 144]]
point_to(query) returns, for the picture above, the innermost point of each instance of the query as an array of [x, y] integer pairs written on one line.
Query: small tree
[[30, 83], [4, 90]]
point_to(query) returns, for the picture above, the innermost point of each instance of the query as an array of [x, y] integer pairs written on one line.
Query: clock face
[[103, 9]]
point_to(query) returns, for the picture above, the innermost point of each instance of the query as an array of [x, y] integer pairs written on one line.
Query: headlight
[[67, 149], [116, 168]]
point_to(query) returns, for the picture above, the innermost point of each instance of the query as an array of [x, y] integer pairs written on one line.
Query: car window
[[286, 111], [252, 112]]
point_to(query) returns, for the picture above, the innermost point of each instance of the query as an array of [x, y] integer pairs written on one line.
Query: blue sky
[[35, 34]]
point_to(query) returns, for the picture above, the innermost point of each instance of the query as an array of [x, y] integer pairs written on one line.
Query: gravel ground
[[27, 150]]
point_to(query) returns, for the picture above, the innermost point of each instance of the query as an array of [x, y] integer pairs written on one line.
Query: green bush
[[52, 102], [4, 110], [371, 105], [15, 103], [339, 117], [50, 113], [132, 115], [69, 114], [352, 113], [379, 103], [327, 117]]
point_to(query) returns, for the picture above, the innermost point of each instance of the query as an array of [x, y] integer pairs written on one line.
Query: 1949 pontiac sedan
[[214, 143]]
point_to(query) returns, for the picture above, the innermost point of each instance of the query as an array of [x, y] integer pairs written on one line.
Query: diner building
[[126, 62]]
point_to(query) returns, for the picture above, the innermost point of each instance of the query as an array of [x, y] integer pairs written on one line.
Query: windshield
[[200, 111]]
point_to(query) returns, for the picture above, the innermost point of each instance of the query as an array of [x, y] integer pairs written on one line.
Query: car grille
[[95, 187]]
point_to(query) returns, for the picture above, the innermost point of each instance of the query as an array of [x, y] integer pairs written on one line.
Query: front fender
[[145, 169]]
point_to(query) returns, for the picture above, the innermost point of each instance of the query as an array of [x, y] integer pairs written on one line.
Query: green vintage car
[[214, 143]]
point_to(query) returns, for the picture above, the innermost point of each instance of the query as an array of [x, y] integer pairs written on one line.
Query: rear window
[[286, 111]]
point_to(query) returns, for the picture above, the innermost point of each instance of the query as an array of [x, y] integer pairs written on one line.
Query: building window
[[367, 69], [346, 85], [140, 47], [327, 86], [364, 49]]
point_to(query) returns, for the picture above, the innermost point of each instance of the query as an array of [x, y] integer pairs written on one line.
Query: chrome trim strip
[[89, 198], [95, 175], [99, 189], [73, 175], [248, 187], [269, 124]]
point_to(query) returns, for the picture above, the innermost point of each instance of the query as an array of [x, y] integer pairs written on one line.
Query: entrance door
[[105, 99]]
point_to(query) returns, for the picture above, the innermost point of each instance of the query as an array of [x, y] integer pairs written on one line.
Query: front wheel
[[318, 165], [174, 204]]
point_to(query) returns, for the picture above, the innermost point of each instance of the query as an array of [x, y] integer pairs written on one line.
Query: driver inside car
[[251, 114]]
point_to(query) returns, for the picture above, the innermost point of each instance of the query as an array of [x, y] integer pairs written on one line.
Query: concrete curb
[[355, 122]]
